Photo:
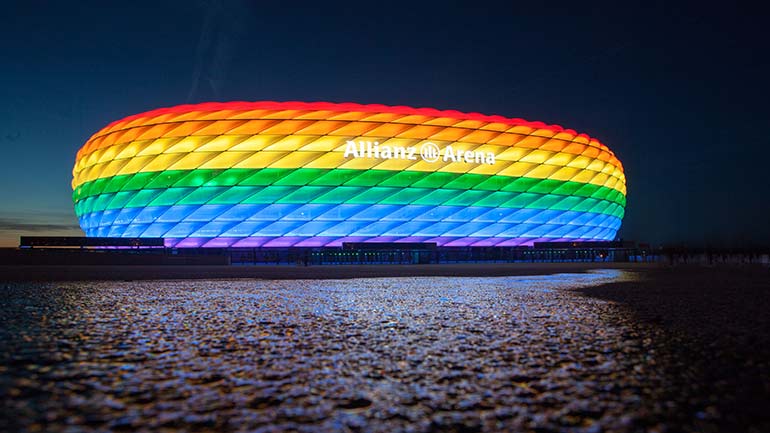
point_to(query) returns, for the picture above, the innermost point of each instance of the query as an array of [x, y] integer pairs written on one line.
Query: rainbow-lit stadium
[[295, 174]]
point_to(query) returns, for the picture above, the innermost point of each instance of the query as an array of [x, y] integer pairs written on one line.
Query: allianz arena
[[295, 174]]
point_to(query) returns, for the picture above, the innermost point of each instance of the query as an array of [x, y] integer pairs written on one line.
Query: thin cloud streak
[[17, 225]]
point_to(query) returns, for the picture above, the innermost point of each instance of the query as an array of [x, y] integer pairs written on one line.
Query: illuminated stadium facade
[[292, 174]]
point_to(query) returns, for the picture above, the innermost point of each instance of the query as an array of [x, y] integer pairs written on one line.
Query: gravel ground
[[69, 272], [570, 352]]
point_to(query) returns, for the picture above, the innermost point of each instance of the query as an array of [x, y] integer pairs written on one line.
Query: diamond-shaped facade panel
[[252, 174]]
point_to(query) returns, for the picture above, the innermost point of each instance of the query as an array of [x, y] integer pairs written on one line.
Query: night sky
[[679, 93]]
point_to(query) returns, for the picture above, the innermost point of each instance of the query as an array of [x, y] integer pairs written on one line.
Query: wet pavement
[[423, 354]]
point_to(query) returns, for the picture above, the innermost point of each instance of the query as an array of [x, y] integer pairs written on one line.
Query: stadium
[[295, 174]]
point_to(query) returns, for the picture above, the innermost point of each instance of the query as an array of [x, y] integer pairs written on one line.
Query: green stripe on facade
[[340, 177]]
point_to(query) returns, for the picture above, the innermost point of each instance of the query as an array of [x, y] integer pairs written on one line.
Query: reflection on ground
[[381, 354]]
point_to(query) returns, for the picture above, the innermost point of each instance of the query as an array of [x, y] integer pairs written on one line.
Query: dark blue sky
[[679, 93]]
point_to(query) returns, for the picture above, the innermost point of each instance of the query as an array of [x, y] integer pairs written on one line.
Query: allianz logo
[[428, 152]]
